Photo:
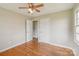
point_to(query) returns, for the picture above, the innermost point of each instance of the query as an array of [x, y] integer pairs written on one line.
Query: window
[[77, 25]]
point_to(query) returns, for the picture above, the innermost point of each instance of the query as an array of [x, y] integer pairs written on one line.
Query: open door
[[35, 30]]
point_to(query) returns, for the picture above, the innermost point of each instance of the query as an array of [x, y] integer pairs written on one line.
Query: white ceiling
[[48, 8]]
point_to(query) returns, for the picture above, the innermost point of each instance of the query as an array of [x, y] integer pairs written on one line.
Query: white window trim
[[75, 15]]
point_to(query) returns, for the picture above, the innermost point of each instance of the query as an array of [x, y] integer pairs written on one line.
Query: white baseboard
[[60, 46], [11, 47], [39, 41]]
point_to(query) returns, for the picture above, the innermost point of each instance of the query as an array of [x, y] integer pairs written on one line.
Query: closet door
[[44, 30]]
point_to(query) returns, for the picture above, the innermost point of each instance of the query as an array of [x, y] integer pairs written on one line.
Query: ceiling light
[[30, 10], [32, 7]]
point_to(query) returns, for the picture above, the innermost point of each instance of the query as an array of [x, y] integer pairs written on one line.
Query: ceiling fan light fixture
[[32, 7], [30, 10]]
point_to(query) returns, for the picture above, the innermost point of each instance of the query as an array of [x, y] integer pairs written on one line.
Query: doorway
[[35, 30]]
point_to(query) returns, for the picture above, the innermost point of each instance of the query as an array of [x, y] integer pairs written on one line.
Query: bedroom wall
[[56, 28], [44, 31], [12, 29], [60, 28]]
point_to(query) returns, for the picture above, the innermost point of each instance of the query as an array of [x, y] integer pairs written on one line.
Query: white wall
[[12, 29], [44, 30], [60, 31], [55, 28]]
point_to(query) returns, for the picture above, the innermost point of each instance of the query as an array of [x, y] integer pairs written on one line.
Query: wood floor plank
[[35, 48]]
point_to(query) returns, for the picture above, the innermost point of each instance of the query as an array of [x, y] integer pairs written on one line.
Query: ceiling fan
[[32, 7]]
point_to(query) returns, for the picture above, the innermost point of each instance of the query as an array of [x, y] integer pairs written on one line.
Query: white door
[[29, 30]]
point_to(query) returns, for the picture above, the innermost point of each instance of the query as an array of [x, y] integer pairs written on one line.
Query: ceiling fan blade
[[23, 7], [37, 10], [30, 5], [40, 5]]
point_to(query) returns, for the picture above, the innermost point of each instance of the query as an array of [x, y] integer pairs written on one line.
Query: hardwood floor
[[35, 48]]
